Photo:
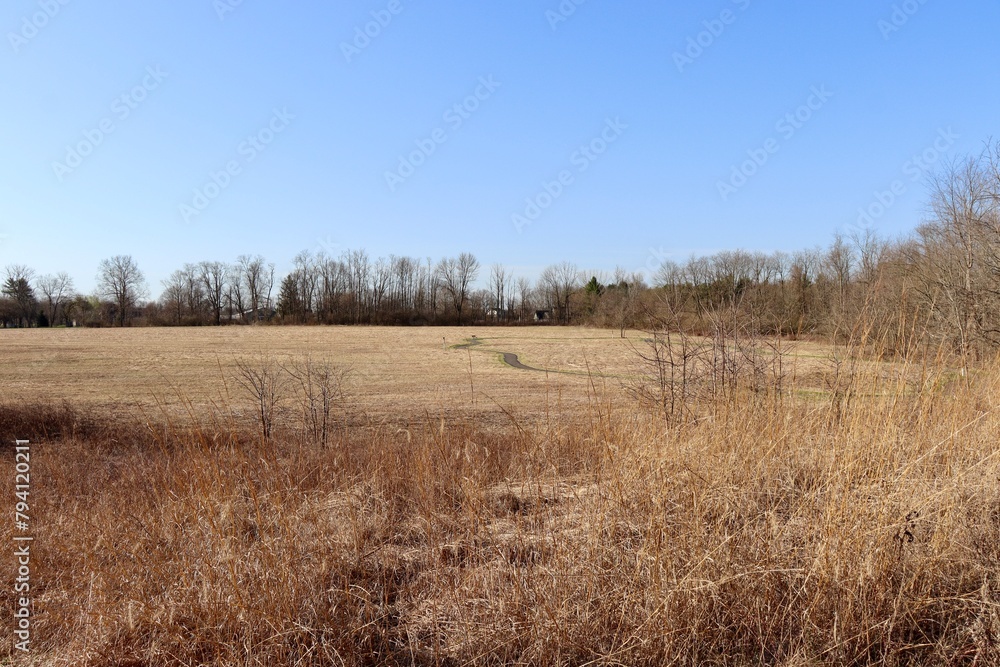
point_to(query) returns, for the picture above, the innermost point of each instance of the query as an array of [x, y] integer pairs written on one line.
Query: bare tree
[[381, 277], [214, 277], [623, 297], [173, 297], [268, 286], [332, 286], [559, 282], [406, 290], [953, 273], [359, 270], [254, 274], [525, 294], [57, 290], [432, 285], [500, 285], [839, 262], [870, 252], [194, 291], [457, 275], [120, 280], [236, 294], [307, 279]]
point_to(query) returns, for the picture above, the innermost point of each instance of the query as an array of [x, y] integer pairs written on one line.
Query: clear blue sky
[[223, 71]]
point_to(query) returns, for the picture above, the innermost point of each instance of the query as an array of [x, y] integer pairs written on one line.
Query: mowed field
[[395, 373]]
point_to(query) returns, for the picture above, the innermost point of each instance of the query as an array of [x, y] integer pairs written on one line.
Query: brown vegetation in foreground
[[850, 529]]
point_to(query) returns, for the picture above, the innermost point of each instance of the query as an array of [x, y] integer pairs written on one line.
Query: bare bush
[[682, 371], [321, 389], [675, 366], [263, 382]]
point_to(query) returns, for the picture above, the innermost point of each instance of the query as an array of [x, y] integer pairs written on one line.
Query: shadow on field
[[62, 421]]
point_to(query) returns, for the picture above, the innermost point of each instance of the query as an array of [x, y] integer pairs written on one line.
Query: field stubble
[[398, 374]]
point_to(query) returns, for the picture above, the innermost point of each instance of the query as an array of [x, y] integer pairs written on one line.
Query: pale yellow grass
[[397, 373]]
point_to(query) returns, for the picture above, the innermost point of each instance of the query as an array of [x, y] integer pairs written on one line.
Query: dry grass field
[[396, 373], [851, 517]]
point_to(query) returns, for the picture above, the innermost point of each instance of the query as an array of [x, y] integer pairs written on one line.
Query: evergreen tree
[[289, 299], [18, 288]]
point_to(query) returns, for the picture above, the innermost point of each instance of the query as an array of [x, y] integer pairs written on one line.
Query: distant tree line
[[940, 284], [30, 300]]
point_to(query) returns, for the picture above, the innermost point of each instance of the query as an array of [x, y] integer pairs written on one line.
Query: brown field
[[407, 371], [396, 373], [851, 516]]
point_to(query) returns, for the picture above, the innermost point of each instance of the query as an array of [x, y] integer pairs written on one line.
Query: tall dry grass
[[857, 528]]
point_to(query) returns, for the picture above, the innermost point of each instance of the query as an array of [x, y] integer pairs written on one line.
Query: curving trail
[[509, 358]]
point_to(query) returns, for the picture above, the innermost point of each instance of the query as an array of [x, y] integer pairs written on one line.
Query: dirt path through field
[[509, 358]]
